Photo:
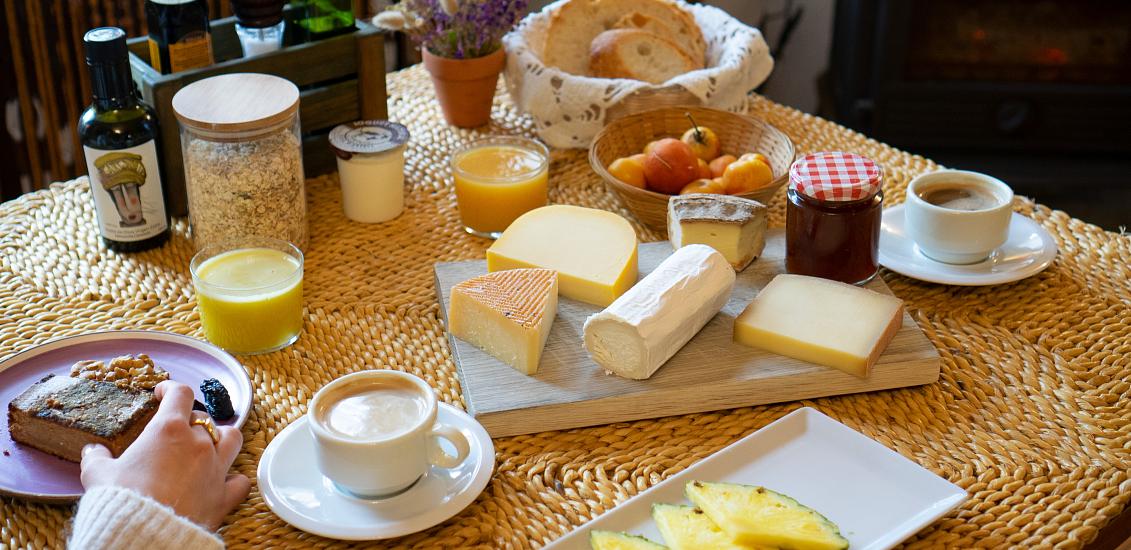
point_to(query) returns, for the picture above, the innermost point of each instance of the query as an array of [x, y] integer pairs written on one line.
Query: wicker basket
[[739, 134]]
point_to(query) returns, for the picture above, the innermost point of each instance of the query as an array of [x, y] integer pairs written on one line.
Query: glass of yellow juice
[[249, 291], [498, 179]]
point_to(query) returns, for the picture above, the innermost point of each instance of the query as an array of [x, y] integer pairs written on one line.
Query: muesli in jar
[[242, 151]]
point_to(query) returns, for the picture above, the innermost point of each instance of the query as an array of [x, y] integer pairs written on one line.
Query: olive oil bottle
[[121, 140]]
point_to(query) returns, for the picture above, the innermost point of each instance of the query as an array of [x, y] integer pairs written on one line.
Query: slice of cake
[[507, 314], [60, 414], [734, 226]]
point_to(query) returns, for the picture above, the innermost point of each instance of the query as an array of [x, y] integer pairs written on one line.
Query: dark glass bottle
[[121, 142], [179, 34]]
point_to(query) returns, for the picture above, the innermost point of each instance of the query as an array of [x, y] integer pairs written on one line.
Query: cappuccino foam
[[373, 411]]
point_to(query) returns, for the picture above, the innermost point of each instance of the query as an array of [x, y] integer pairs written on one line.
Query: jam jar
[[833, 217]]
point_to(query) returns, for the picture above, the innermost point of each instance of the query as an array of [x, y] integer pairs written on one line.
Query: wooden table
[[1030, 415]]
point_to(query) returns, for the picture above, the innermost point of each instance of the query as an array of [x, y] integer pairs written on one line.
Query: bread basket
[[738, 133], [570, 109]]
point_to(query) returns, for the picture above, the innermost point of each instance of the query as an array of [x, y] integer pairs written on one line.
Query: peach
[[670, 166]]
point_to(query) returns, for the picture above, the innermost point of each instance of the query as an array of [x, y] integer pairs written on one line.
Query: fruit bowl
[[738, 133]]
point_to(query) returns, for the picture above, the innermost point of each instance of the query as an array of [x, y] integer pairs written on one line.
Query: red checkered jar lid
[[836, 176]]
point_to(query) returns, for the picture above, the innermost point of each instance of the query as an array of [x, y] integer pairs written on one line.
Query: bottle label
[[191, 51], [155, 54], [126, 185]]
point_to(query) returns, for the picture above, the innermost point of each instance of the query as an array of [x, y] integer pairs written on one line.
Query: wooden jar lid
[[236, 102]]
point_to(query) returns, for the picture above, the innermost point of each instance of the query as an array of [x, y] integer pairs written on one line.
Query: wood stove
[[1035, 92]]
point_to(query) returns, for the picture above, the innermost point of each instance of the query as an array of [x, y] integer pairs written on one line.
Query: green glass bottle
[[121, 140]]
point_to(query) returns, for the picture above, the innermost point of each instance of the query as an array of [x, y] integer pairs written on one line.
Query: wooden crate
[[340, 79]]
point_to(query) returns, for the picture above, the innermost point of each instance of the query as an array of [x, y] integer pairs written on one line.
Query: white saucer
[[1028, 251], [297, 492]]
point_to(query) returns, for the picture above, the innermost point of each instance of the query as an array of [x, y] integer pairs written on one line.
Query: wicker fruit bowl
[[738, 133]]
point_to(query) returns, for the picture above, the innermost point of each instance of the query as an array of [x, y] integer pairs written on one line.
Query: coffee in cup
[[956, 216], [959, 195], [376, 433], [372, 411]]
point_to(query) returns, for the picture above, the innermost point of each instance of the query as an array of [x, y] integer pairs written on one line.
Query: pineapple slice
[[609, 540], [688, 528], [756, 515]]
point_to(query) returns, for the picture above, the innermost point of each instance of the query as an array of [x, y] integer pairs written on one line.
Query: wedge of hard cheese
[[508, 314], [821, 321], [642, 329], [593, 251], [734, 226]]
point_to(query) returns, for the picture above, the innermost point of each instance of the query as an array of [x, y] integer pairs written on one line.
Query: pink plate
[[31, 474]]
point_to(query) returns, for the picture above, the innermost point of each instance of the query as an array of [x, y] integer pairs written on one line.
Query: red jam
[[834, 240], [832, 221]]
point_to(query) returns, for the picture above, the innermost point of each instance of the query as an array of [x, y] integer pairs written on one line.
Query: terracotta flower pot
[[465, 87]]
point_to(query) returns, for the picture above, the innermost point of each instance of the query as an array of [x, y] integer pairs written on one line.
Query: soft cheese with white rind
[[593, 251], [821, 321], [734, 226], [647, 325]]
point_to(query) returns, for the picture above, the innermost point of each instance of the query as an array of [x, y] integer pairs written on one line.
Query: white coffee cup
[[363, 442], [975, 223]]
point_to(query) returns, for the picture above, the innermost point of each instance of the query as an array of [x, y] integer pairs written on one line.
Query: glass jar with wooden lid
[[242, 150]]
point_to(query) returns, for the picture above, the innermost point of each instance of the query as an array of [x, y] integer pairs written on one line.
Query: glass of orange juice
[[497, 180], [249, 291]]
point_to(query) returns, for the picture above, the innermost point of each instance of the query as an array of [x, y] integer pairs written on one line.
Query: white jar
[[371, 168]]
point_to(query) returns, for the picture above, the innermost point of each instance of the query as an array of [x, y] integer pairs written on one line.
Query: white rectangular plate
[[877, 497]]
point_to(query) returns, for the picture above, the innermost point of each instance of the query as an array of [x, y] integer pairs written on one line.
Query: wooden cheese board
[[710, 373]]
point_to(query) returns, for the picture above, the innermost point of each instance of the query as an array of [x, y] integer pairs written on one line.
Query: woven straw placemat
[[1030, 415]]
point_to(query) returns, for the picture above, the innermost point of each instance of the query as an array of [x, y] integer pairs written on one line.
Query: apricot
[[719, 165], [650, 146], [704, 185], [670, 166], [629, 170], [747, 174], [704, 170]]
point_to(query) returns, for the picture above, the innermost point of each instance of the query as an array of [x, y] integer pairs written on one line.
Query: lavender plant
[[459, 29]]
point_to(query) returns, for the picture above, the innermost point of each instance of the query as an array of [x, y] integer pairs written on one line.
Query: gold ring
[[209, 426]]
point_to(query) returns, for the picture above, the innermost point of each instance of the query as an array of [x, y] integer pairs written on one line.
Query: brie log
[[647, 325]]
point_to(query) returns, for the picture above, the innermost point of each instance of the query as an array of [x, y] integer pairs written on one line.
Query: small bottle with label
[[180, 37], [120, 139]]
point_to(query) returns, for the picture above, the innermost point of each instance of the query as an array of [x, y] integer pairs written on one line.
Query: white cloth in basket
[[569, 110]]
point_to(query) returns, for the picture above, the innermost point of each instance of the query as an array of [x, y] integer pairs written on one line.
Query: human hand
[[175, 462]]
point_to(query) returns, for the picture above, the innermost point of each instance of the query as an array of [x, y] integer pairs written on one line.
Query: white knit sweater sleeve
[[113, 517]]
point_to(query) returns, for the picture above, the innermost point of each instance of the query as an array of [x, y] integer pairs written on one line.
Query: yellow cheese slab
[[593, 251], [821, 321]]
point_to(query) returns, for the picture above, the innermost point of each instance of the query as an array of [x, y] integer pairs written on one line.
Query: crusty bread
[[637, 20], [637, 54], [575, 24]]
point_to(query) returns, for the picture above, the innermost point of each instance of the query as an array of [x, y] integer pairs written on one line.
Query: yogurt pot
[[370, 168]]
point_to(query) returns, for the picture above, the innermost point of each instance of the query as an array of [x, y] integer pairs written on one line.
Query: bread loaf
[[637, 20], [637, 54], [575, 24]]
